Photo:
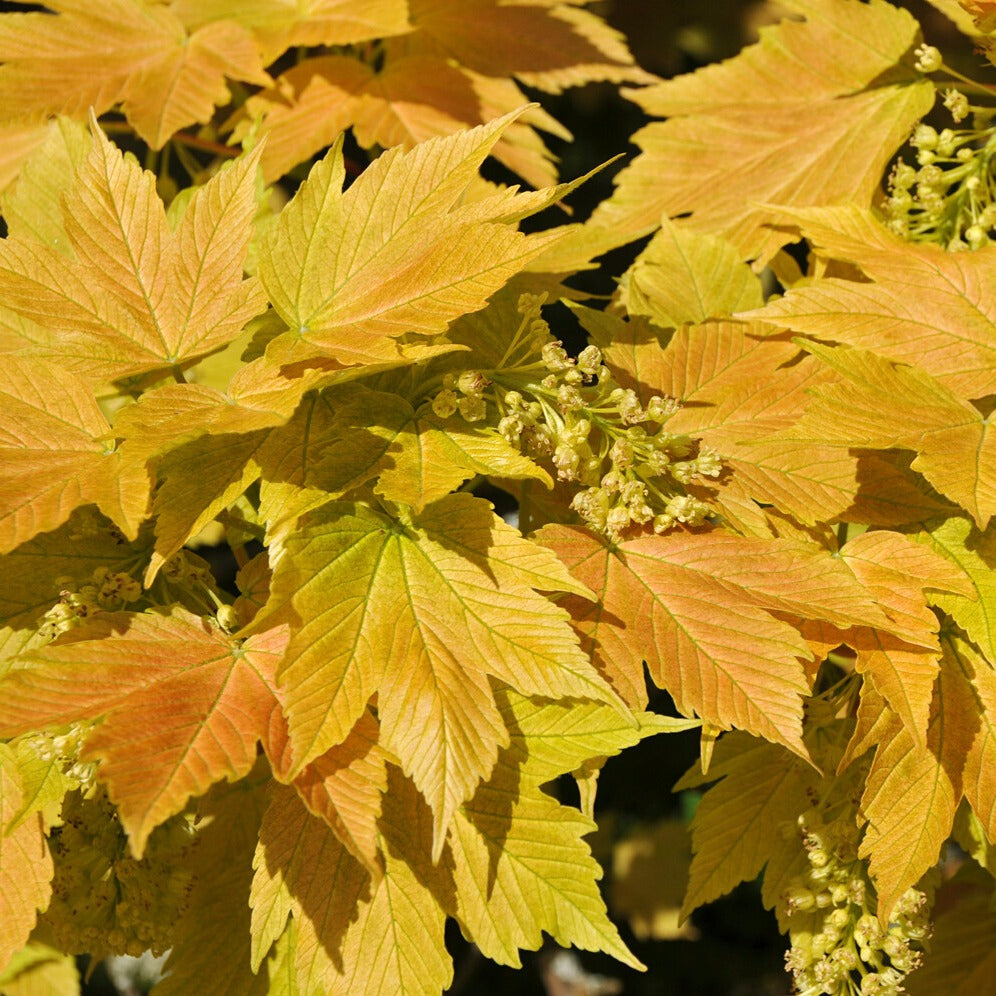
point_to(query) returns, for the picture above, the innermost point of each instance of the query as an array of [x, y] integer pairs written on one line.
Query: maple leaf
[[25, 863], [912, 792], [737, 384], [365, 595], [33, 575], [17, 143], [975, 554], [737, 826], [550, 48], [134, 297], [344, 788], [809, 115], [303, 868], [881, 404], [923, 306], [519, 863], [213, 700], [394, 254], [282, 24], [962, 959], [55, 457], [701, 603], [684, 276], [132, 52], [221, 864]]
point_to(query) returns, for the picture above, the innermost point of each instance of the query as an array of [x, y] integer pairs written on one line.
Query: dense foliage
[[310, 333]]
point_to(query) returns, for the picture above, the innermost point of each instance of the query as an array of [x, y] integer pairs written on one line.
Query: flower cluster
[[951, 198], [63, 747], [104, 901], [596, 434], [839, 947], [104, 591]]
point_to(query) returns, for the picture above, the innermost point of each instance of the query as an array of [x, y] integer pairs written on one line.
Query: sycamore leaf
[[551, 48], [398, 608], [393, 254], [515, 881], [200, 479], [737, 384], [923, 305], [395, 946], [344, 788], [33, 209], [25, 863], [303, 869], [38, 970], [217, 960], [912, 793], [882, 404], [686, 277], [698, 609], [54, 455], [211, 697], [809, 115], [975, 553], [33, 575], [962, 959], [135, 297], [282, 24], [18, 141], [133, 52], [737, 825]]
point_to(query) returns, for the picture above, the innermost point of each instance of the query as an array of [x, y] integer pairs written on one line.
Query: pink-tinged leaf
[[210, 698]]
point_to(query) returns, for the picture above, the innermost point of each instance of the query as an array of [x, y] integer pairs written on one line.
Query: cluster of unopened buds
[[839, 946], [950, 197], [570, 411], [104, 591]]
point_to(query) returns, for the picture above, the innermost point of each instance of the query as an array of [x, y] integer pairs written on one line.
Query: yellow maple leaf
[[811, 114], [25, 862], [54, 455], [131, 296], [364, 593], [130, 52], [282, 24]]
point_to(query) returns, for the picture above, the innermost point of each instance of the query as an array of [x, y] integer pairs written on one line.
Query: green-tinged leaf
[[737, 825], [397, 607], [810, 115], [200, 479], [923, 306], [522, 868], [282, 24], [395, 253], [25, 863], [395, 945], [975, 553], [39, 970], [33, 209], [684, 277], [303, 869], [134, 297], [211, 697], [217, 960], [881, 404]]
